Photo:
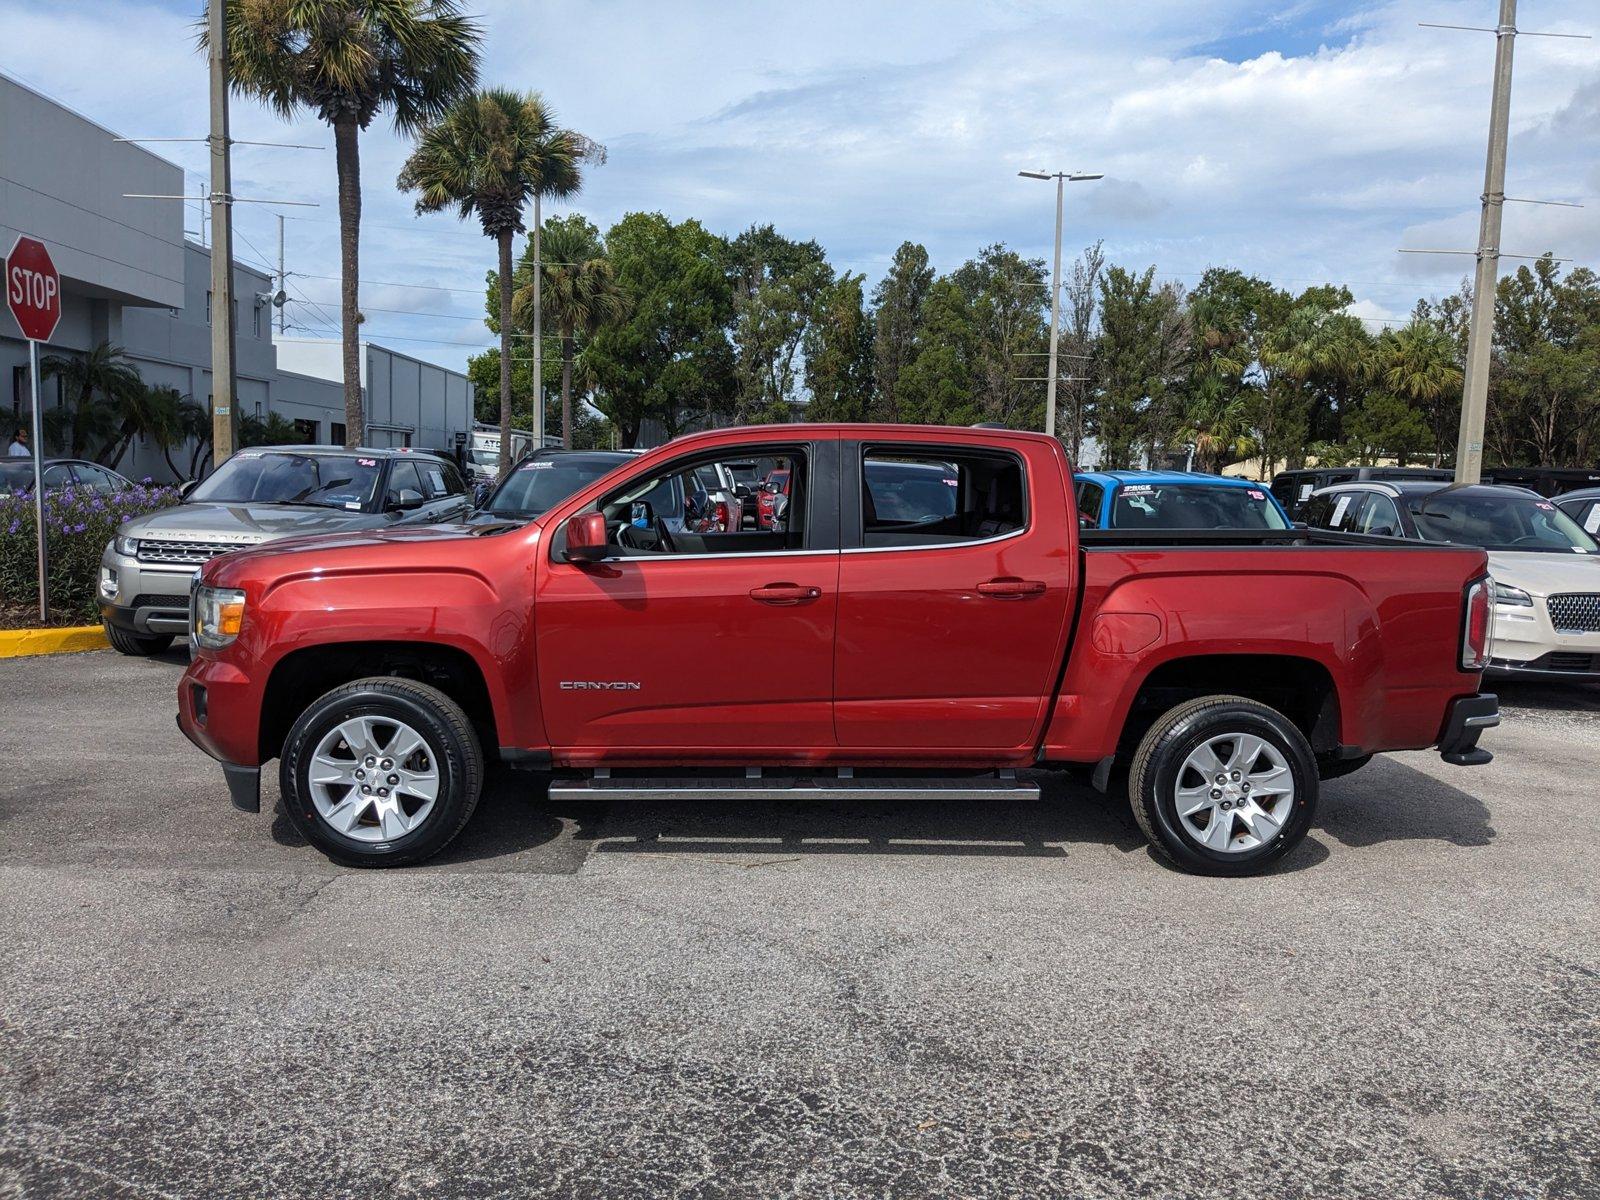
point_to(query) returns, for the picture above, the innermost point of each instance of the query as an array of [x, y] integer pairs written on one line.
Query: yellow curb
[[20, 643]]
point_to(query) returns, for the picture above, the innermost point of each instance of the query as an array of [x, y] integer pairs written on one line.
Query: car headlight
[[1511, 595], [218, 616], [124, 545]]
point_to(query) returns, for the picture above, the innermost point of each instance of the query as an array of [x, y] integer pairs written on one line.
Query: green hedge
[[78, 523]]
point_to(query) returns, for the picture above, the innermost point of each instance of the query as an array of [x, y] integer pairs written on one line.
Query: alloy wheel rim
[[1234, 792], [373, 779]]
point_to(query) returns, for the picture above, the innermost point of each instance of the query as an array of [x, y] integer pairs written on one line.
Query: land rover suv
[[259, 495]]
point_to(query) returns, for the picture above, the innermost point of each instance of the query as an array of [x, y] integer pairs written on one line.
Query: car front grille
[[187, 554], [1576, 612], [146, 600]]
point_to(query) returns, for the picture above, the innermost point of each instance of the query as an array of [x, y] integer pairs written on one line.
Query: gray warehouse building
[[130, 278]]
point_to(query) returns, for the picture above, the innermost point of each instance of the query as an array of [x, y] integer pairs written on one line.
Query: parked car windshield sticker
[[1591, 523], [1255, 495], [1305, 491], [1339, 510]]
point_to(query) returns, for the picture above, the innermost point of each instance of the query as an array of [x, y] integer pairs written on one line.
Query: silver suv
[[260, 495]]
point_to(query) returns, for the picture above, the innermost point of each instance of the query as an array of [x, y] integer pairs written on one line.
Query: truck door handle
[[784, 593], [1012, 589]]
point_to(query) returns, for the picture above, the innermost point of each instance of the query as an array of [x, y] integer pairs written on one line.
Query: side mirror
[[187, 486], [405, 500], [586, 538]]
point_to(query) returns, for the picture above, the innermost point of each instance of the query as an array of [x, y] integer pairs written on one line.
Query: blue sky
[[1305, 141]]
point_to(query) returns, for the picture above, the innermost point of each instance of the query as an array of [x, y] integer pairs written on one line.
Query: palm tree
[[347, 61], [580, 295], [1418, 364], [98, 387], [489, 155], [1216, 422]]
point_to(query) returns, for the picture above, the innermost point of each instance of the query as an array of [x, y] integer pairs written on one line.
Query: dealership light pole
[[1062, 178]]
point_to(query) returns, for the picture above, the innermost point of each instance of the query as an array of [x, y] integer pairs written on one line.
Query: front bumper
[[1466, 719], [1527, 645], [1558, 666], [219, 711], [144, 599]]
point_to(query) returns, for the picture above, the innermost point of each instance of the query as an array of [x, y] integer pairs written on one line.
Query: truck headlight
[[1512, 596], [218, 616], [124, 545]]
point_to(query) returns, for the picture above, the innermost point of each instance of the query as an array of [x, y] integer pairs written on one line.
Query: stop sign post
[[33, 293]]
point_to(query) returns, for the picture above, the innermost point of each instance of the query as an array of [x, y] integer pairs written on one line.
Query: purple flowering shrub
[[78, 523]]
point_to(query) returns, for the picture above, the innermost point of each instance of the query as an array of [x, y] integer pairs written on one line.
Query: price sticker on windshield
[[540, 466], [1591, 523], [1255, 495], [1138, 489], [367, 462]]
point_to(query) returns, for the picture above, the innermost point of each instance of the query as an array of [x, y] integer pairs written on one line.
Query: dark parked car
[[1583, 507], [1549, 482], [260, 495], [1294, 488], [16, 475]]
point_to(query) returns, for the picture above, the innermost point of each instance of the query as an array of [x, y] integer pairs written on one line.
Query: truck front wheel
[[1223, 785], [382, 772]]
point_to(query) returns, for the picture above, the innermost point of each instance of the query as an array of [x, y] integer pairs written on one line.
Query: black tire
[[125, 641], [1153, 781], [451, 743]]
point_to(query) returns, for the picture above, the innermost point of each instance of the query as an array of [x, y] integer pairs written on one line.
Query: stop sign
[[33, 289]]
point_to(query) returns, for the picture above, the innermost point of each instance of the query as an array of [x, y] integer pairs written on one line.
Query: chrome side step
[[786, 784]]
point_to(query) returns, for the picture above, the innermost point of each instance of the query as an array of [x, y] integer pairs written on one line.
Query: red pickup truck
[[861, 647]]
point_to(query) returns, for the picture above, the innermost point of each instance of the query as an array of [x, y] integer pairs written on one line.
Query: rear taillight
[[1477, 625], [723, 521]]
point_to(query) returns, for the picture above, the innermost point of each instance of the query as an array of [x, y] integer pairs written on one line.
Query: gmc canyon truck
[[845, 651]]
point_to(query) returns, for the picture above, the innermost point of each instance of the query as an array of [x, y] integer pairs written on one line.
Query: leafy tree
[[99, 389], [1139, 362], [1076, 370], [1010, 300], [488, 156], [941, 384], [347, 61], [671, 359], [274, 429], [776, 287], [1216, 421], [838, 353], [1382, 424], [580, 295], [1418, 364], [897, 318]]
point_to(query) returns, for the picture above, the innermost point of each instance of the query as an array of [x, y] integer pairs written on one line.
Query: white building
[[130, 278]]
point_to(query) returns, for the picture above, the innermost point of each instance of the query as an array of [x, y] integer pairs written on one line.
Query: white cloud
[[1302, 142]]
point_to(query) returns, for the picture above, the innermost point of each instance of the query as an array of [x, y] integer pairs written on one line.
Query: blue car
[[1174, 500]]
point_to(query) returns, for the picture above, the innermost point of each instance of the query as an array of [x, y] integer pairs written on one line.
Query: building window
[[336, 432], [258, 320], [307, 430], [258, 410], [208, 321]]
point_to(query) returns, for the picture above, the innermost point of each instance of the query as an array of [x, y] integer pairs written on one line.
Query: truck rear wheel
[[381, 772], [1223, 785]]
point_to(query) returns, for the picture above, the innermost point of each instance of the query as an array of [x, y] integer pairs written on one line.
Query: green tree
[[670, 360], [838, 353], [488, 156], [1544, 403], [1010, 302], [1216, 421], [347, 61], [1418, 364], [1076, 370], [777, 284], [942, 382], [274, 429], [99, 389], [580, 295], [1140, 359], [897, 319]]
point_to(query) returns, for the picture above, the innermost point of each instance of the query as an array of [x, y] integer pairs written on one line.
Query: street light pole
[[1062, 178], [1475, 387]]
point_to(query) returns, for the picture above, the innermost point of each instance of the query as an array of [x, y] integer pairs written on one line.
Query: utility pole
[[1475, 388], [1062, 178], [224, 376], [283, 284], [538, 329]]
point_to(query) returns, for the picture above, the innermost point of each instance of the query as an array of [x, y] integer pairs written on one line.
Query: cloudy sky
[[1306, 140]]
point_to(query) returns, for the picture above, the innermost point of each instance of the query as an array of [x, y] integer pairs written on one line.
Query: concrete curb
[[23, 643]]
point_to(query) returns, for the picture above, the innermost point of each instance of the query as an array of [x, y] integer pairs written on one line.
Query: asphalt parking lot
[[896, 1000]]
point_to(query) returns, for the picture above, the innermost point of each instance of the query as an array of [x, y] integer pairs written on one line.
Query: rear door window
[[935, 498]]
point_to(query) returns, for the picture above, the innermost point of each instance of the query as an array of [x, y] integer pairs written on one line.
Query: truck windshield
[[1509, 522], [1193, 506], [533, 488], [284, 477]]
